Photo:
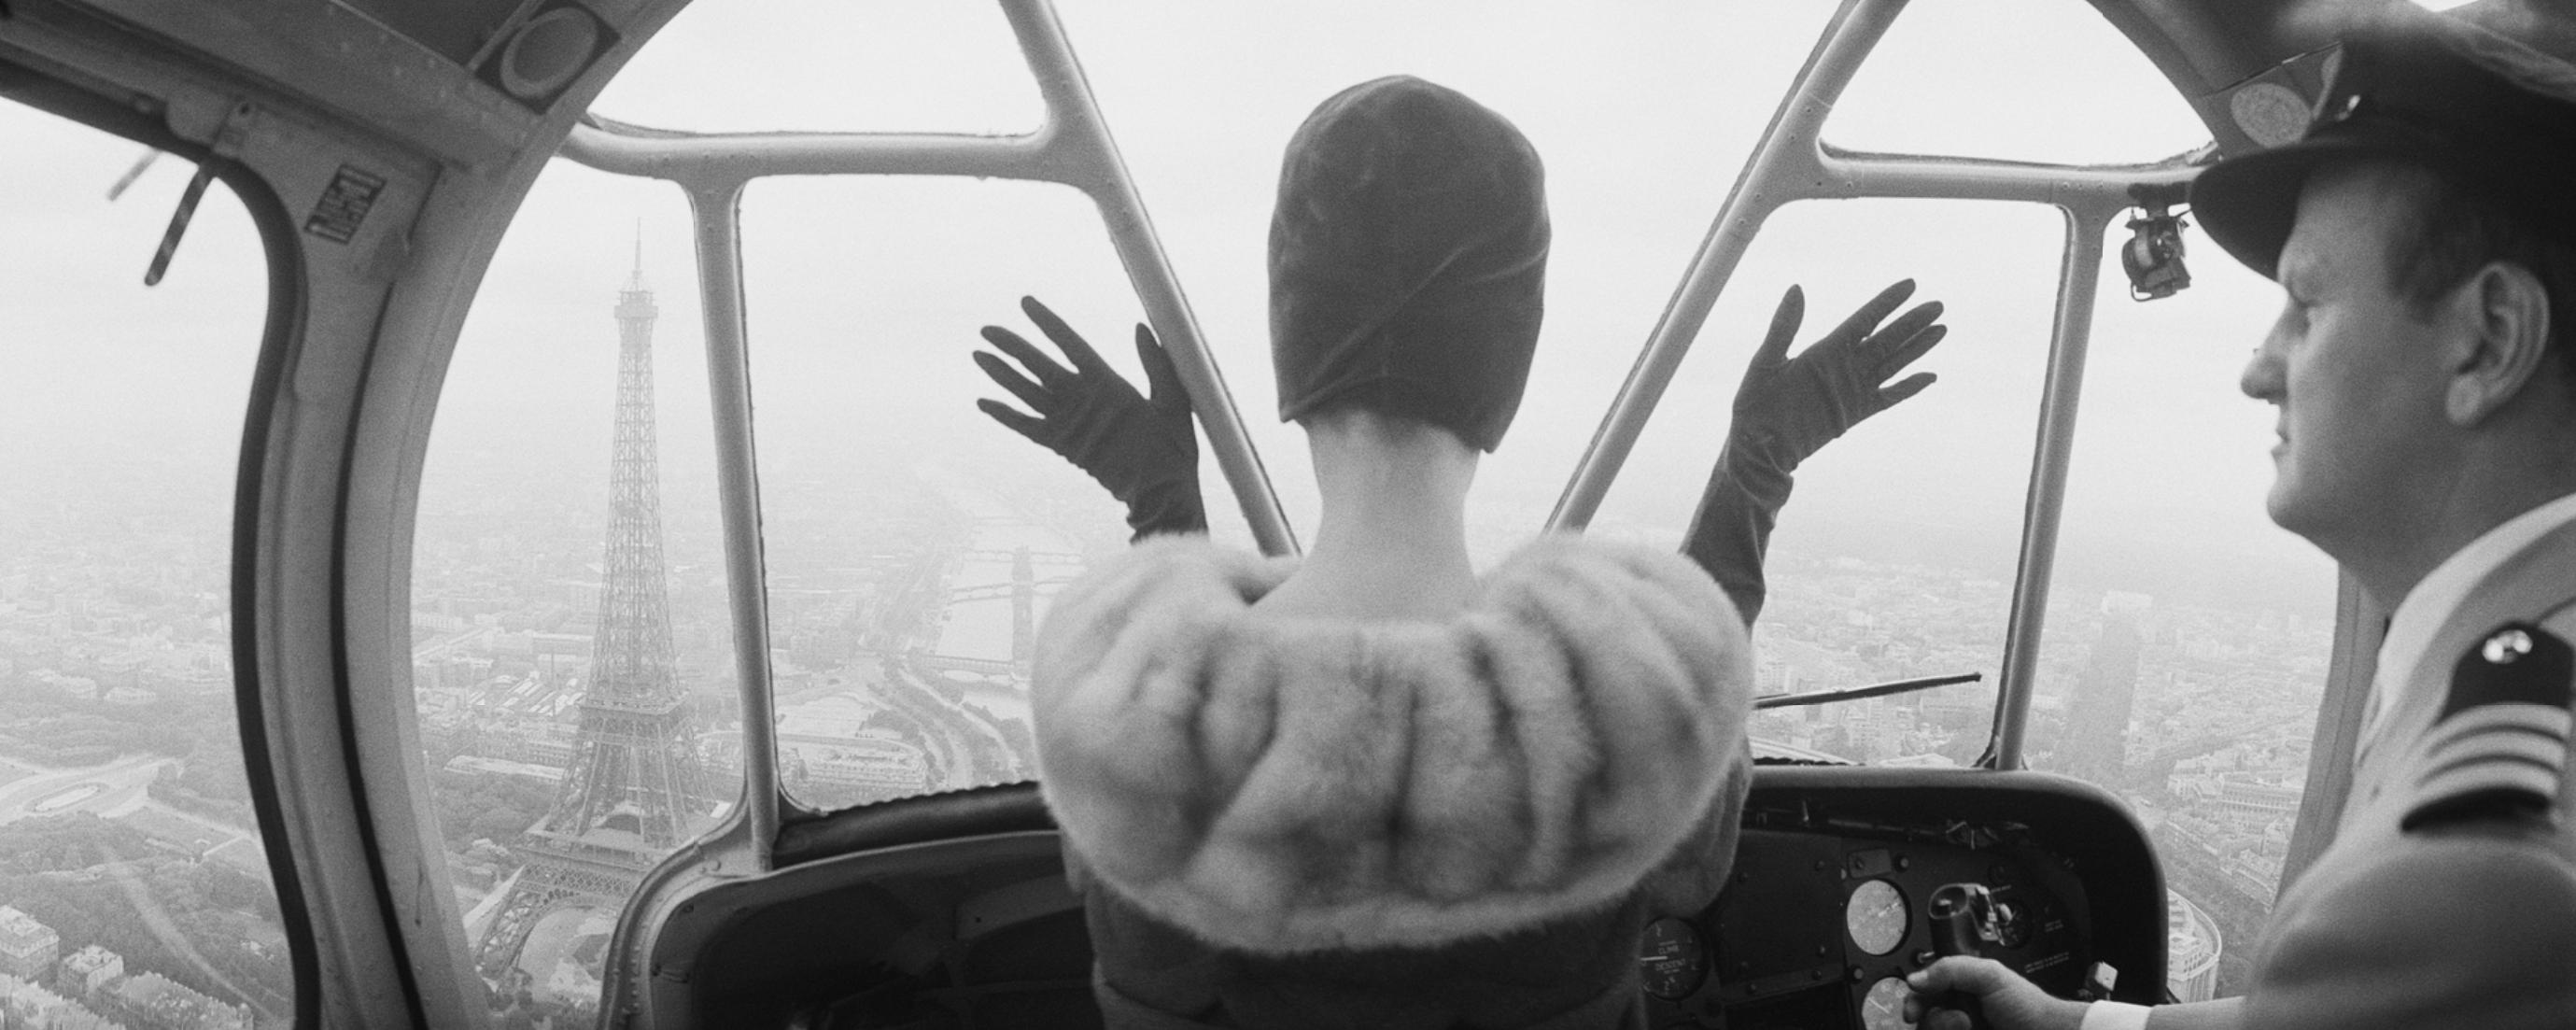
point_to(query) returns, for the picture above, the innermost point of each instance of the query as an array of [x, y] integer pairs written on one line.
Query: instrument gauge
[[1672, 959], [1883, 1008], [1876, 917]]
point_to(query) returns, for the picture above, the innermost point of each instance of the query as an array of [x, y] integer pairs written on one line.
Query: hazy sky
[[864, 294]]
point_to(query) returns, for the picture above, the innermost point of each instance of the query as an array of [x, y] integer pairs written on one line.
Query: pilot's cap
[[2491, 114]]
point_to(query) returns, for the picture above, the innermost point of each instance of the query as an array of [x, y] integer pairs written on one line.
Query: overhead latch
[[224, 147], [2153, 255]]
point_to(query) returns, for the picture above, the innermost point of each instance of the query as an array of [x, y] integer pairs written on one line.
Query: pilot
[[1372, 787], [2425, 372]]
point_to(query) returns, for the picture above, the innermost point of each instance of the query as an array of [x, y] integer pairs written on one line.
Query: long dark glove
[[1786, 410], [1143, 449]]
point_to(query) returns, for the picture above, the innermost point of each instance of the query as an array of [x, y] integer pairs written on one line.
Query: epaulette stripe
[[2520, 782], [2511, 803], [2544, 768], [2510, 776], [2499, 749], [2545, 754], [2551, 724], [2539, 742], [2479, 726]]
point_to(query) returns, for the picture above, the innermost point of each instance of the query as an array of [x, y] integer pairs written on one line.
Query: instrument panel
[[1837, 894], [952, 910]]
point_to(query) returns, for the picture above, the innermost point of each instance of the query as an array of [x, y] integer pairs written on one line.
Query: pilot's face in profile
[[2353, 368]]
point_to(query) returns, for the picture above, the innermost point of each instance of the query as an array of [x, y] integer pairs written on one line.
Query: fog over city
[[906, 533]]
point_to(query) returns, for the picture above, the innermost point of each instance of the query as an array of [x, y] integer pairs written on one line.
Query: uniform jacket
[[2448, 898]]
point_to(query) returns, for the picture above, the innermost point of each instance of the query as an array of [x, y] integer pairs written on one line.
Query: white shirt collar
[[2427, 607]]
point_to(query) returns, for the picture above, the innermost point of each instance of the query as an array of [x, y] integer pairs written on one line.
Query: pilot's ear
[[2501, 315]]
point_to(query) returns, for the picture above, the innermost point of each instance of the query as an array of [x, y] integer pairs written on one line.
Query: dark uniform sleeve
[[2468, 919]]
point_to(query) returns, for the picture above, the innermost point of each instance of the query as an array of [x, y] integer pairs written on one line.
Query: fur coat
[[1285, 785]]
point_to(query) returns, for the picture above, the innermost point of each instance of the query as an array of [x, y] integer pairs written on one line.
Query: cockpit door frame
[[2351, 664], [328, 752]]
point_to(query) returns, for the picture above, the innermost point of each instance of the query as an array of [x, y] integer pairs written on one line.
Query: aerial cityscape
[[2199, 718], [575, 668]]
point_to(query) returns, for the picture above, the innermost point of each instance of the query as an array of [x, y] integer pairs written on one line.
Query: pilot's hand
[[1788, 408], [1142, 448], [2008, 1001]]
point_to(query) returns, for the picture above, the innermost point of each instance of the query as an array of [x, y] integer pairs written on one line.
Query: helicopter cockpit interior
[[583, 588]]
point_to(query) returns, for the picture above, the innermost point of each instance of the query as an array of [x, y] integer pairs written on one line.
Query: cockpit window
[[912, 543], [2061, 86], [1895, 556], [131, 865], [572, 651], [830, 66], [2187, 638]]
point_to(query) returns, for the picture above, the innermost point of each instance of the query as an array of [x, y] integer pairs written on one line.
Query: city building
[[2249, 802], [85, 972], [2095, 744], [27, 947], [154, 1002], [24, 1003], [478, 766], [2192, 947], [889, 766]]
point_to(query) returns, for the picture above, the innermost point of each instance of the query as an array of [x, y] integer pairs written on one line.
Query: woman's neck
[[1392, 544]]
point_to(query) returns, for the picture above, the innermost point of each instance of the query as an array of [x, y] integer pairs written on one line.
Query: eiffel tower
[[634, 788]]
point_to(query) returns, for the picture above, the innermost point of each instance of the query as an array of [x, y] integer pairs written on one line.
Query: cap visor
[[2248, 204]]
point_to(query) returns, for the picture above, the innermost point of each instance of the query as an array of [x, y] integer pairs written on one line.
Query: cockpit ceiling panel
[[2206, 46], [471, 81], [455, 29]]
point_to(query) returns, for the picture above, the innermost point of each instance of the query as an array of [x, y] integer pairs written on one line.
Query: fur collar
[[1284, 785]]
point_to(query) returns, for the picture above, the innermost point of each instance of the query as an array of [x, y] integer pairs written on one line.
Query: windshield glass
[[2186, 644], [913, 544], [572, 650], [2062, 87], [133, 882], [1894, 557]]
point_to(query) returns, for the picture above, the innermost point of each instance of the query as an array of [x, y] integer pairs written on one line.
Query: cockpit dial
[[1672, 960], [1884, 1007], [1876, 917]]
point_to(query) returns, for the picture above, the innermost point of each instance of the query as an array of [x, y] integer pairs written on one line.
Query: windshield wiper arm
[[1826, 697]]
